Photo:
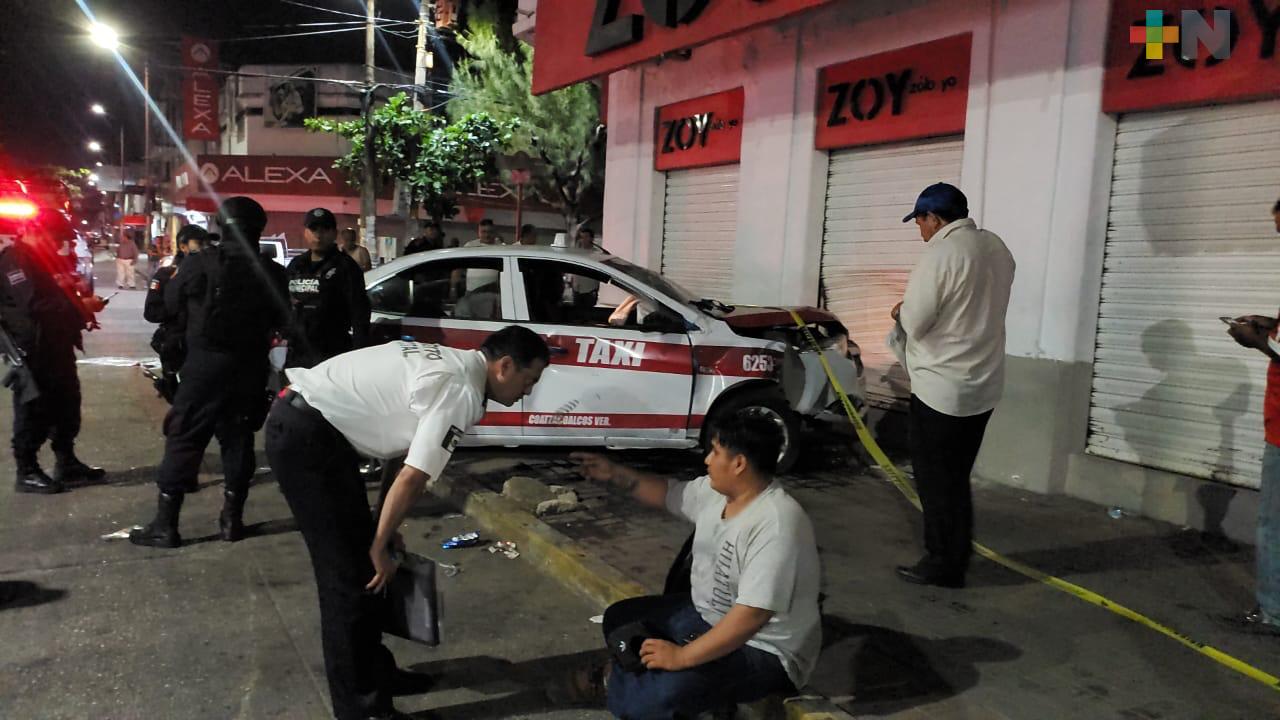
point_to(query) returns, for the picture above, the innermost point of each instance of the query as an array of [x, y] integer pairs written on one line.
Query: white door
[[699, 220], [868, 252], [1189, 238], [625, 382]]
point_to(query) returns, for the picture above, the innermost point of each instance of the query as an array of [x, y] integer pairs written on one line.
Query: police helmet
[[244, 214]]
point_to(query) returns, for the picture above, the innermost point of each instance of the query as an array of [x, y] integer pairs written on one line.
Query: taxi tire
[[770, 403]]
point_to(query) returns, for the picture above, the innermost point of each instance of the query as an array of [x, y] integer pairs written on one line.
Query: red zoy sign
[[914, 92], [199, 90], [1251, 69], [583, 39], [699, 132]]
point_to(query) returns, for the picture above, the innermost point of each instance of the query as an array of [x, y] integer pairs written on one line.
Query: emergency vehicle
[[637, 361]]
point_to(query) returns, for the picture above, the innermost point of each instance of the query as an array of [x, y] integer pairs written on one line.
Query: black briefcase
[[413, 607]]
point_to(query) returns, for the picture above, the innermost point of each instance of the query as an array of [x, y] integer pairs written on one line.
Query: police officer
[[384, 401], [169, 341], [44, 315], [326, 290], [231, 307]]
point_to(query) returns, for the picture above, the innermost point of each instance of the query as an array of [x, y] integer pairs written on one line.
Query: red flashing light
[[19, 208]]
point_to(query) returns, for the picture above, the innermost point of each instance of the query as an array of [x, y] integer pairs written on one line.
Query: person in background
[[1260, 333], [432, 238], [586, 290], [168, 340], [349, 243], [126, 256], [485, 234], [326, 291], [528, 235], [953, 315]]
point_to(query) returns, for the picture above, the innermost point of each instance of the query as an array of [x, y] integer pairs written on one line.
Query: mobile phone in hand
[[1232, 321]]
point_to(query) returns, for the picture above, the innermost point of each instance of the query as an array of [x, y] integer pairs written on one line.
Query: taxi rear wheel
[[767, 404]]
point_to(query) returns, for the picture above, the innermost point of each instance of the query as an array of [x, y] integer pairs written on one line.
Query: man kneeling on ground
[[751, 627]]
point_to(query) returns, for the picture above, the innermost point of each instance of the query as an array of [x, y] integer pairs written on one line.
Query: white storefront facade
[[1134, 193]]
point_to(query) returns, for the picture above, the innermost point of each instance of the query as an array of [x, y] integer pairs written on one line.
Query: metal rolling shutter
[[1189, 238], [698, 226], [868, 252]]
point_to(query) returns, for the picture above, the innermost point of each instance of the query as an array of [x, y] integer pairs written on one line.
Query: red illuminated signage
[[199, 90], [915, 92], [583, 39], [699, 132], [1250, 68], [269, 175]]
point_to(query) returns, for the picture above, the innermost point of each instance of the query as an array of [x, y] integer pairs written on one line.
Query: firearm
[[19, 379]]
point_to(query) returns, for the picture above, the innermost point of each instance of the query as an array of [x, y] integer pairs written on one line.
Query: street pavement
[[215, 630]]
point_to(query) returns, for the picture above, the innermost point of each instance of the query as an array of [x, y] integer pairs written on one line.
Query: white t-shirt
[[479, 277], [401, 398], [765, 557]]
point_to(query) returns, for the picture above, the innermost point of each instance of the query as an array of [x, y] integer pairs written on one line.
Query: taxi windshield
[[653, 280]]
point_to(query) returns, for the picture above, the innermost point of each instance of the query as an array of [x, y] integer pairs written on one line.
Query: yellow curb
[[814, 708], [547, 548]]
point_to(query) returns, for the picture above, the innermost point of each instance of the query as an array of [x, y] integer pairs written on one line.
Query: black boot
[[163, 530], [70, 470], [31, 479], [231, 521]]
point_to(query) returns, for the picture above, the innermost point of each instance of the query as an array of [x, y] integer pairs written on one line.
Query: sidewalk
[[1006, 647]]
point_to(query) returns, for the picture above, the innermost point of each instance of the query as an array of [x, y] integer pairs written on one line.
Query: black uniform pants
[[55, 415], [319, 474], [943, 450], [220, 395]]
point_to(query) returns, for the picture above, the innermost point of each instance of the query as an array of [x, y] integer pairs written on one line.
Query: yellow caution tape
[[904, 486]]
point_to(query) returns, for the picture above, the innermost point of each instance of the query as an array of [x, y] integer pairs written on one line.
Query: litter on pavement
[[464, 540], [506, 547]]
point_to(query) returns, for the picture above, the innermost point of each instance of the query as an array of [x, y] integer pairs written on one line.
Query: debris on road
[[505, 547], [465, 540], [122, 534], [565, 501]]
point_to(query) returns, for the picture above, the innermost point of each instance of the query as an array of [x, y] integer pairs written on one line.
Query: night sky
[[50, 72]]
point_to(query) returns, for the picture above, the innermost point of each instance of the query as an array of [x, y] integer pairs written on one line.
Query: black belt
[[295, 399]]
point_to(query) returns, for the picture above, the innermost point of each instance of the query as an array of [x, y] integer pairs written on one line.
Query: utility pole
[[146, 143], [420, 66], [368, 199]]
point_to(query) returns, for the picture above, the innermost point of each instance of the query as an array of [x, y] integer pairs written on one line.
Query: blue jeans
[[1269, 536], [742, 676]]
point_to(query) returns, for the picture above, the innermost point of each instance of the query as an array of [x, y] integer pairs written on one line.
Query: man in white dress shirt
[[953, 314], [387, 401]]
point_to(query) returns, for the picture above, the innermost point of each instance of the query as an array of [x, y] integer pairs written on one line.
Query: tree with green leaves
[[560, 129], [434, 159]]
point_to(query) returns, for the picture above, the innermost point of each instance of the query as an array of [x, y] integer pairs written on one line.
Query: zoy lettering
[[616, 353], [865, 99], [686, 132], [611, 30]]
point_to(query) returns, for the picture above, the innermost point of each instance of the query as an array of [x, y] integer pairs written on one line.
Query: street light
[[95, 146], [97, 109], [104, 36], [98, 164]]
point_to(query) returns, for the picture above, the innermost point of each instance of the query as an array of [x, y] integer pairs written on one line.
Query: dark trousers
[[219, 396], [744, 675], [943, 450], [55, 415], [319, 474]]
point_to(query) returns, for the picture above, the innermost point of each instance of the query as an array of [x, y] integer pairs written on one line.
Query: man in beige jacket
[[953, 314]]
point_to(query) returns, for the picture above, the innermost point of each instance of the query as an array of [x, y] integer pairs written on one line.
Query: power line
[[433, 85], [337, 12]]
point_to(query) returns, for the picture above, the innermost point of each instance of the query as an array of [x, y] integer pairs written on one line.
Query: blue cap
[[940, 198]]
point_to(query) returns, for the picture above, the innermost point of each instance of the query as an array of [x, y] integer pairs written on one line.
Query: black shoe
[[408, 682], [71, 471], [231, 520], [920, 576], [161, 532], [36, 481]]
